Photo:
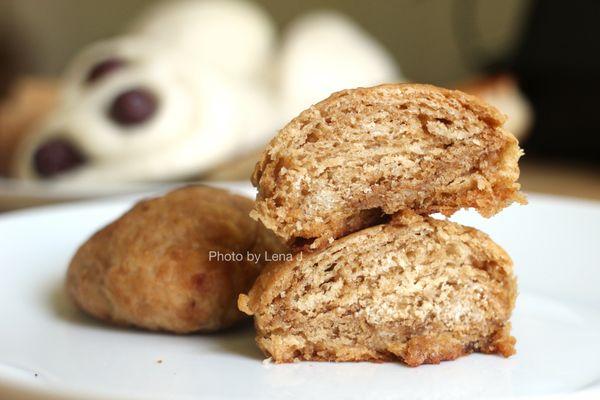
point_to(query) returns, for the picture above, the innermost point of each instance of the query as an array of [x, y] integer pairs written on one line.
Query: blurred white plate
[[48, 350]]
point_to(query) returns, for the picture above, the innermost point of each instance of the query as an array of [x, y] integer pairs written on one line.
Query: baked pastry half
[[175, 263], [344, 162], [419, 290]]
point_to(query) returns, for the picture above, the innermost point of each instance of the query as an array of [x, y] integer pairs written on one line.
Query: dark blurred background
[[550, 48]]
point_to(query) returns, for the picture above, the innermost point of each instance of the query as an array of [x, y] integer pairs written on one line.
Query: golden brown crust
[[151, 268], [362, 153], [29, 101], [417, 289]]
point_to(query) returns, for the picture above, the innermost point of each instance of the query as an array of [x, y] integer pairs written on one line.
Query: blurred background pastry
[[28, 102], [169, 101], [234, 36], [324, 52]]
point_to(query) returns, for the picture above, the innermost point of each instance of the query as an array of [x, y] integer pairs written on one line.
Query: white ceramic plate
[[50, 350]]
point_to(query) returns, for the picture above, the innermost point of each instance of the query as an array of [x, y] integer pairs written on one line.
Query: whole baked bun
[[153, 268], [418, 290], [362, 153]]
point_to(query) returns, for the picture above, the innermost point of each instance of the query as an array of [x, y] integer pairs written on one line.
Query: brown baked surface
[[344, 162], [419, 290], [150, 268], [28, 102]]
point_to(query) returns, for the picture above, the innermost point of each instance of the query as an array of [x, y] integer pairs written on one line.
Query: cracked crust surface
[[151, 268], [419, 290], [363, 153]]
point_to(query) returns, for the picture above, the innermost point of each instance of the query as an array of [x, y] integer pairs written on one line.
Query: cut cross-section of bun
[[419, 290], [362, 153]]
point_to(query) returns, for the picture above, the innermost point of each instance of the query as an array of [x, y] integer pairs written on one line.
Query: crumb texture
[[151, 268], [363, 153], [417, 289]]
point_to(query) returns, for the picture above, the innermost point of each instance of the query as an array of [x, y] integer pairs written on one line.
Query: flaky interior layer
[[334, 169], [417, 294]]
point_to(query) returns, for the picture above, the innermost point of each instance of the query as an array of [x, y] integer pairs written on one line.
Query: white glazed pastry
[[162, 102], [98, 61], [325, 52], [146, 121], [236, 37]]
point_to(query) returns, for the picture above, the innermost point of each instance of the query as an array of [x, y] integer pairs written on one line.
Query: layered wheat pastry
[[417, 289], [365, 153]]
